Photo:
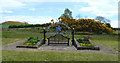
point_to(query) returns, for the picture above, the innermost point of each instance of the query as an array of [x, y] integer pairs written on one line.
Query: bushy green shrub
[[38, 39], [26, 25], [80, 40], [30, 38], [32, 41], [87, 42], [88, 25]]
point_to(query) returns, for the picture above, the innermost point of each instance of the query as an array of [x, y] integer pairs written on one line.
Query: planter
[[21, 45], [79, 47]]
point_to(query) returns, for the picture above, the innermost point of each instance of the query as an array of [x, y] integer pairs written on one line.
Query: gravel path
[[60, 47]]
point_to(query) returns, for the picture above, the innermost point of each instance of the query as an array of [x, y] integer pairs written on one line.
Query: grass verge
[[55, 56]]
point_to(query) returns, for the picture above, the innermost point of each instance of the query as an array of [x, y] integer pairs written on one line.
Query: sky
[[42, 11]]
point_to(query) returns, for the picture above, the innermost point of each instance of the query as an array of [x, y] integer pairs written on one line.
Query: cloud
[[88, 9], [11, 3], [6, 5], [47, 0], [32, 9], [1, 11], [99, 12], [115, 24], [8, 11], [91, 1], [29, 19], [106, 8]]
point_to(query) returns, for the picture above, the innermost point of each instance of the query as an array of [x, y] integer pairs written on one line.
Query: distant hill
[[11, 23]]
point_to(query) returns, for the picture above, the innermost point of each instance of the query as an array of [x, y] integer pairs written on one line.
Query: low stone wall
[[79, 47]]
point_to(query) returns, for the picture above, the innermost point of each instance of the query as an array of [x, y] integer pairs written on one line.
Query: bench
[[58, 39]]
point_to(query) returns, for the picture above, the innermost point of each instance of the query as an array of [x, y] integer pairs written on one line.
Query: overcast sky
[[42, 11]]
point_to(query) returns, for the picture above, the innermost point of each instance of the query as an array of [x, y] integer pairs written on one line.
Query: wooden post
[[73, 37]]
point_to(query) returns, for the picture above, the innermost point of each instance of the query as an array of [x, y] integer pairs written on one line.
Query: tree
[[67, 14], [52, 21], [108, 24], [102, 19]]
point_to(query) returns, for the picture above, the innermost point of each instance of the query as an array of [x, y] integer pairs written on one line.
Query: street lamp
[[73, 28], [44, 28], [44, 35], [73, 37]]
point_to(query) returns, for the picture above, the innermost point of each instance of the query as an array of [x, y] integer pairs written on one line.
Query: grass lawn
[[14, 34], [10, 37], [55, 56], [5, 26], [11, 40], [106, 40]]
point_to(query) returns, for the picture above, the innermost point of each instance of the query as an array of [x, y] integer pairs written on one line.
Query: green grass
[[55, 56], [11, 40], [10, 37], [106, 40], [14, 34], [5, 26]]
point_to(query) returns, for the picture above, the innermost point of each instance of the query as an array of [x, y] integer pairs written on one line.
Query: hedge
[[26, 25]]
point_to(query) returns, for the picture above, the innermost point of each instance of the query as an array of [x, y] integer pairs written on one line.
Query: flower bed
[[31, 43], [85, 43]]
